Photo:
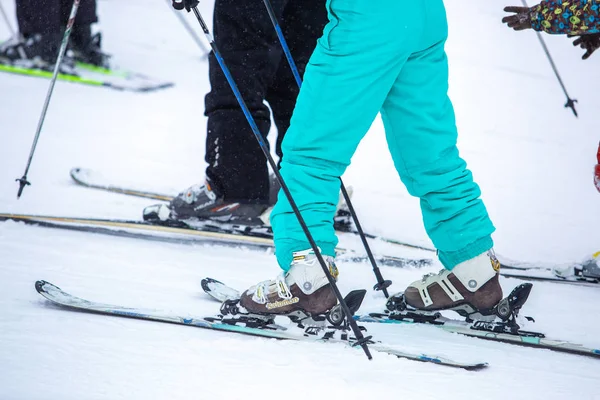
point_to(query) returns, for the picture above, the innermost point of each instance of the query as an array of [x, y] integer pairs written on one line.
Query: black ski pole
[[63, 47], [361, 340], [570, 102], [381, 283], [189, 29], [12, 32]]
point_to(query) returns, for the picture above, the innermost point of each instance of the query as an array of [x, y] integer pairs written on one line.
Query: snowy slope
[[532, 158]]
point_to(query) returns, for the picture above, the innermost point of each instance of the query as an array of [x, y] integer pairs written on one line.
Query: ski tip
[[206, 284], [39, 286], [477, 367], [77, 172]]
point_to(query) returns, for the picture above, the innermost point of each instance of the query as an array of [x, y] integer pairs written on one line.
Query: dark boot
[[87, 48], [204, 202]]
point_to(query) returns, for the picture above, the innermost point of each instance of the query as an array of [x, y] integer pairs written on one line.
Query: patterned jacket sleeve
[[573, 17]]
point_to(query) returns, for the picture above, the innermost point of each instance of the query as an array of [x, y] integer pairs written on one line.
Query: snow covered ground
[[532, 158]]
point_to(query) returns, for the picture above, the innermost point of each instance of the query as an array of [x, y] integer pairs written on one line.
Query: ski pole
[[570, 102], [361, 340], [63, 47], [13, 33], [189, 29], [381, 283]]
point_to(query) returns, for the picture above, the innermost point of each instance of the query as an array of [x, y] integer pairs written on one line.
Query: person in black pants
[[42, 25], [237, 183]]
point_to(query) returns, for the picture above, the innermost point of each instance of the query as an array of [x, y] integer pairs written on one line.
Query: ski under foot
[[92, 179], [500, 327], [90, 75], [185, 234], [586, 273], [252, 326]]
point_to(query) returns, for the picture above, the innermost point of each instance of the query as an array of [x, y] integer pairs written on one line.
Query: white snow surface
[[532, 158]]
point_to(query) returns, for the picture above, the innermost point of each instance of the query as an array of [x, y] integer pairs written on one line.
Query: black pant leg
[[302, 24], [86, 13], [35, 17], [248, 44]]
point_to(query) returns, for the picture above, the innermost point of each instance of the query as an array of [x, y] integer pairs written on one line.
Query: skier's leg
[[302, 25], [237, 180], [248, 43], [40, 26], [86, 47], [35, 18], [421, 134], [86, 13], [347, 79]]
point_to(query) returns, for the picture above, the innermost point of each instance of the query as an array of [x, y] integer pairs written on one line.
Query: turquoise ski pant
[[384, 56]]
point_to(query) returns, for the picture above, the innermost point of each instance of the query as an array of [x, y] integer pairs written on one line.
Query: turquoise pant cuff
[[451, 259], [286, 248]]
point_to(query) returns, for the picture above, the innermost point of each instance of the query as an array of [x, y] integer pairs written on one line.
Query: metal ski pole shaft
[[63, 47], [570, 102], [189, 29], [360, 338], [381, 283], [13, 33]]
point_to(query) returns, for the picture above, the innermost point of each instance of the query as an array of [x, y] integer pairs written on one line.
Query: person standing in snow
[[388, 59], [576, 18], [237, 186], [42, 26]]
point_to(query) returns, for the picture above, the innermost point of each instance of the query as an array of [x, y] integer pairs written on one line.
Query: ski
[[61, 298], [543, 275], [91, 75], [91, 179], [494, 331], [482, 330], [586, 273], [257, 238]]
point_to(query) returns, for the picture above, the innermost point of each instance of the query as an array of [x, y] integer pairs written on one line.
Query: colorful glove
[[187, 4], [589, 43], [597, 171], [575, 17], [522, 19]]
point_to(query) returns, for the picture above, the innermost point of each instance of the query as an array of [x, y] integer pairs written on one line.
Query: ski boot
[[87, 48], [35, 52], [472, 287], [302, 294], [204, 202]]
